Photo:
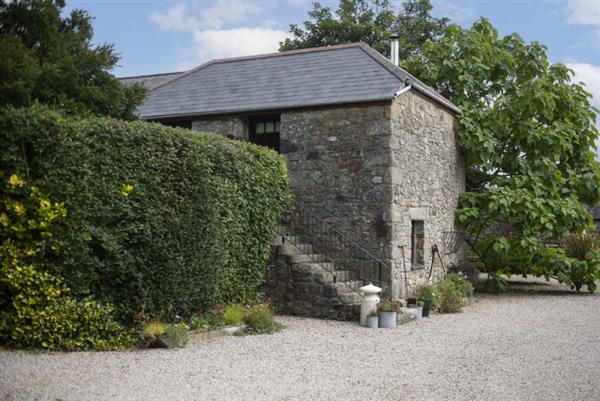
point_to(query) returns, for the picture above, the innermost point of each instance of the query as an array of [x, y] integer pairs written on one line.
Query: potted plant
[[425, 293], [373, 319], [388, 313]]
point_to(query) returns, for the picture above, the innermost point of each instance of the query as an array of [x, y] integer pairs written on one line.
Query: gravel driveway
[[507, 347]]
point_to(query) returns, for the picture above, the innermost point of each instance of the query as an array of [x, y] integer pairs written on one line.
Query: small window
[[417, 243], [264, 130]]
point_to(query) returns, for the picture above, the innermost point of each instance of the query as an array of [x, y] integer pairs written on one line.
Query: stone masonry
[[370, 170]]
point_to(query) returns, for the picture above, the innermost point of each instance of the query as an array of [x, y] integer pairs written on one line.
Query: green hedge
[[161, 221]]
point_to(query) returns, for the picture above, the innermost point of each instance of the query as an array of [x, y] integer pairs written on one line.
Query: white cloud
[[584, 12], [174, 19], [214, 31], [590, 75], [228, 12], [236, 42], [457, 12], [221, 13]]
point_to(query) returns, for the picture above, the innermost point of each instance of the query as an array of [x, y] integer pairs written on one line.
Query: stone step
[[330, 276], [282, 230], [348, 286], [288, 249], [350, 298], [306, 258], [308, 268], [276, 240]]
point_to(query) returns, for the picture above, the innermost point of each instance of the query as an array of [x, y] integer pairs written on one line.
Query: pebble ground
[[517, 347]]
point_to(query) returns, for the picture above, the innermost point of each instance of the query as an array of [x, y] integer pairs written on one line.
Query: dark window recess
[[417, 243], [264, 131], [177, 123]]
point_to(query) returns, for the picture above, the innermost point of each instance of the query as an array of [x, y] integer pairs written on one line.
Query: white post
[[369, 302]]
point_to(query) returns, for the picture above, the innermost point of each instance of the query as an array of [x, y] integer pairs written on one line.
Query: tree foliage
[[369, 21], [50, 59], [528, 134]]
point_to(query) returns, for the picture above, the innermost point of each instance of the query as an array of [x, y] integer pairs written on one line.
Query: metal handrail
[[344, 253]]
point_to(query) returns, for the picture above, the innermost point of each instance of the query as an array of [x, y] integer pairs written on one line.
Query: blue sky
[[161, 36]]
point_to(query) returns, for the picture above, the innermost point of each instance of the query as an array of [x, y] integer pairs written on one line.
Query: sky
[[154, 36]]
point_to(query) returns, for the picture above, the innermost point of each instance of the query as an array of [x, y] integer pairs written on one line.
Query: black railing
[[347, 261]]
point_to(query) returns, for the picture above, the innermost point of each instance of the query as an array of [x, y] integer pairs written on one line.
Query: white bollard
[[369, 302]]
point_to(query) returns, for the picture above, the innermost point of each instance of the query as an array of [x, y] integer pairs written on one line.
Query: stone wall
[[368, 170], [427, 178], [230, 127], [338, 160]]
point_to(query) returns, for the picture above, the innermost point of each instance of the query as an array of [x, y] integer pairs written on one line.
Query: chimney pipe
[[395, 50]]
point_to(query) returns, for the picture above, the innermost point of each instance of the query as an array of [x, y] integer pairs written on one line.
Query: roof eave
[[385, 98]]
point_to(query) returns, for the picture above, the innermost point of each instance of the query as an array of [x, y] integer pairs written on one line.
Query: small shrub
[[259, 320], [153, 332], [468, 271], [161, 335], [200, 322], [424, 291], [465, 287], [388, 306], [177, 335], [449, 298], [577, 245], [233, 314]]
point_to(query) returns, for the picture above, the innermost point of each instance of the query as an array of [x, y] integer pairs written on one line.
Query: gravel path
[[508, 347]]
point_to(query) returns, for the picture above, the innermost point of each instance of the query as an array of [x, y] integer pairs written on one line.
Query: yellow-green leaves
[[126, 189], [36, 309]]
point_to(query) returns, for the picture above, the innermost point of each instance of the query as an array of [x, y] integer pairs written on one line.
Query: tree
[[528, 134], [50, 59], [369, 21]]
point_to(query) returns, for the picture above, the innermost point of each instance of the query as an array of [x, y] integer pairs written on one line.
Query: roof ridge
[[158, 74], [260, 56]]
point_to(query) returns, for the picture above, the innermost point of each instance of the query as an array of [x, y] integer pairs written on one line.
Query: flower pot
[[387, 320], [427, 302], [419, 309], [372, 322]]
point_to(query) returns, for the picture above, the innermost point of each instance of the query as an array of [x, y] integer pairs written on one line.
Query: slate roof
[[149, 81], [353, 73]]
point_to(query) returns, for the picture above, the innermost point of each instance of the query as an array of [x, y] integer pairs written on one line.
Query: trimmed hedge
[[161, 221]]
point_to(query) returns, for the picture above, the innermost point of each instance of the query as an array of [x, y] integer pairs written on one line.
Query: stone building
[[370, 149]]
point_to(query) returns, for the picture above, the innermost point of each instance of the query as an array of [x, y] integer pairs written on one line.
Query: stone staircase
[[304, 283]]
